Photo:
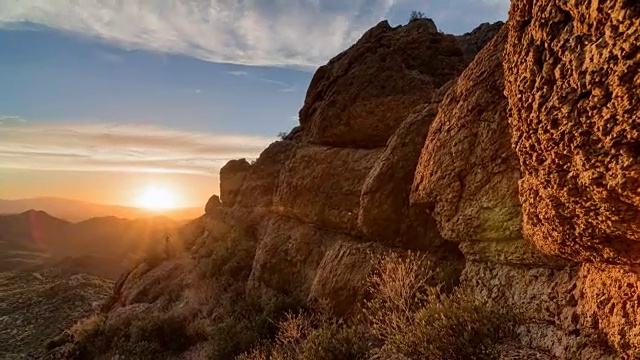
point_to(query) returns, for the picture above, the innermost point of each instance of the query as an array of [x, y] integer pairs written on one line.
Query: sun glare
[[157, 198]]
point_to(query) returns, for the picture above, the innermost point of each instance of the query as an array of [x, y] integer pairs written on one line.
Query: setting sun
[[157, 198]]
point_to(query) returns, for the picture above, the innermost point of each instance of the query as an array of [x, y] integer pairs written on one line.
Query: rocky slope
[[36, 306], [507, 157]]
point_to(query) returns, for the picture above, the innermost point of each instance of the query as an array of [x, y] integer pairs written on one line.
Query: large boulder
[[287, 257], [362, 95], [385, 214], [321, 185], [232, 176], [572, 73], [468, 173], [259, 184]]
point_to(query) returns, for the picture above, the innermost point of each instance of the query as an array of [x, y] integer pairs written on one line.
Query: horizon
[[103, 103]]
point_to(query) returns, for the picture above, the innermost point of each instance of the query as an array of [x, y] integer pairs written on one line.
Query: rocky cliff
[[507, 158]]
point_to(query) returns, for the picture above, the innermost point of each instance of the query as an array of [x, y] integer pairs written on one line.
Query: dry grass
[[404, 317]]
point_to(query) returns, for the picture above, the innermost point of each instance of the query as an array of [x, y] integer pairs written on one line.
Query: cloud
[[284, 87], [111, 147], [11, 119], [300, 33], [296, 33]]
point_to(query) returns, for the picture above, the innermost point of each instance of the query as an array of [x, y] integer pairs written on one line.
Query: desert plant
[[416, 15], [282, 135], [415, 320]]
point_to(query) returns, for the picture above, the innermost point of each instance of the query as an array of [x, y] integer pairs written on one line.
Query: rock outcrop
[[360, 97], [507, 158]]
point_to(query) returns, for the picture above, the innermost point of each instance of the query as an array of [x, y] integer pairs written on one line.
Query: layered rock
[[572, 82]]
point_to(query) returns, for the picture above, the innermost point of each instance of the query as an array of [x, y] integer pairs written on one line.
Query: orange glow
[[156, 198]]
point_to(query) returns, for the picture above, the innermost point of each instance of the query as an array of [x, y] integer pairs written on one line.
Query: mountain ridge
[[76, 210]]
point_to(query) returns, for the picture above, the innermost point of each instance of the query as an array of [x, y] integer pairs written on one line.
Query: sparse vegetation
[[405, 317], [416, 15], [282, 135]]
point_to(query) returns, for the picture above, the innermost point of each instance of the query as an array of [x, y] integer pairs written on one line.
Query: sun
[[157, 198]]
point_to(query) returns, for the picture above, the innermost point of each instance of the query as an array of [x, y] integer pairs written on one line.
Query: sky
[[100, 99]]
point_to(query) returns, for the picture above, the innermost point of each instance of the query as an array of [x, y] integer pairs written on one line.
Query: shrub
[[405, 317], [416, 15], [412, 319], [306, 336]]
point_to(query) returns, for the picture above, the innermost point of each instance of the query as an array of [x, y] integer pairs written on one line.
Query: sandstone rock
[[472, 42], [361, 96], [232, 176], [341, 279], [609, 301], [468, 172], [385, 214], [321, 185], [287, 257], [572, 75]]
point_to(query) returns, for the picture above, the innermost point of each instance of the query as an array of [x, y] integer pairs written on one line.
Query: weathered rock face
[[472, 42], [360, 97], [259, 183], [572, 77], [385, 214], [288, 255], [321, 185], [609, 302], [468, 172]]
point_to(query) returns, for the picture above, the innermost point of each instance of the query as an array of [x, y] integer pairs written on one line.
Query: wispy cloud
[[9, 119], [111, 147], [284, 87], [299, 33]]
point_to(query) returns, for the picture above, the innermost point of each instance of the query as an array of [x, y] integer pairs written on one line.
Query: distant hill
[[73, 210], [105, 244]]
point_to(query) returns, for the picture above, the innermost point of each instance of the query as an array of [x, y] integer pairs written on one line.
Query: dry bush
[[307, 336], [415, 320], [406, 317]]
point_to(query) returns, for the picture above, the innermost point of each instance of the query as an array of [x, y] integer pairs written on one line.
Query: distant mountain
[[73, 210], [35, 237]]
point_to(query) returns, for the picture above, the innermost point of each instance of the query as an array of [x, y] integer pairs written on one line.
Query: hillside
[[35, 237], [37, 306], [74, 211], [444, 197]]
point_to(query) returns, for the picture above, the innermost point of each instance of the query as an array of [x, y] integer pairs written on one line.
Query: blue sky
[[171, 86]]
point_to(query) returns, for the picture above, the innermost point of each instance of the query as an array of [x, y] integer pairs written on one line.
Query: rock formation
[[508, 157], [572, 80]]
